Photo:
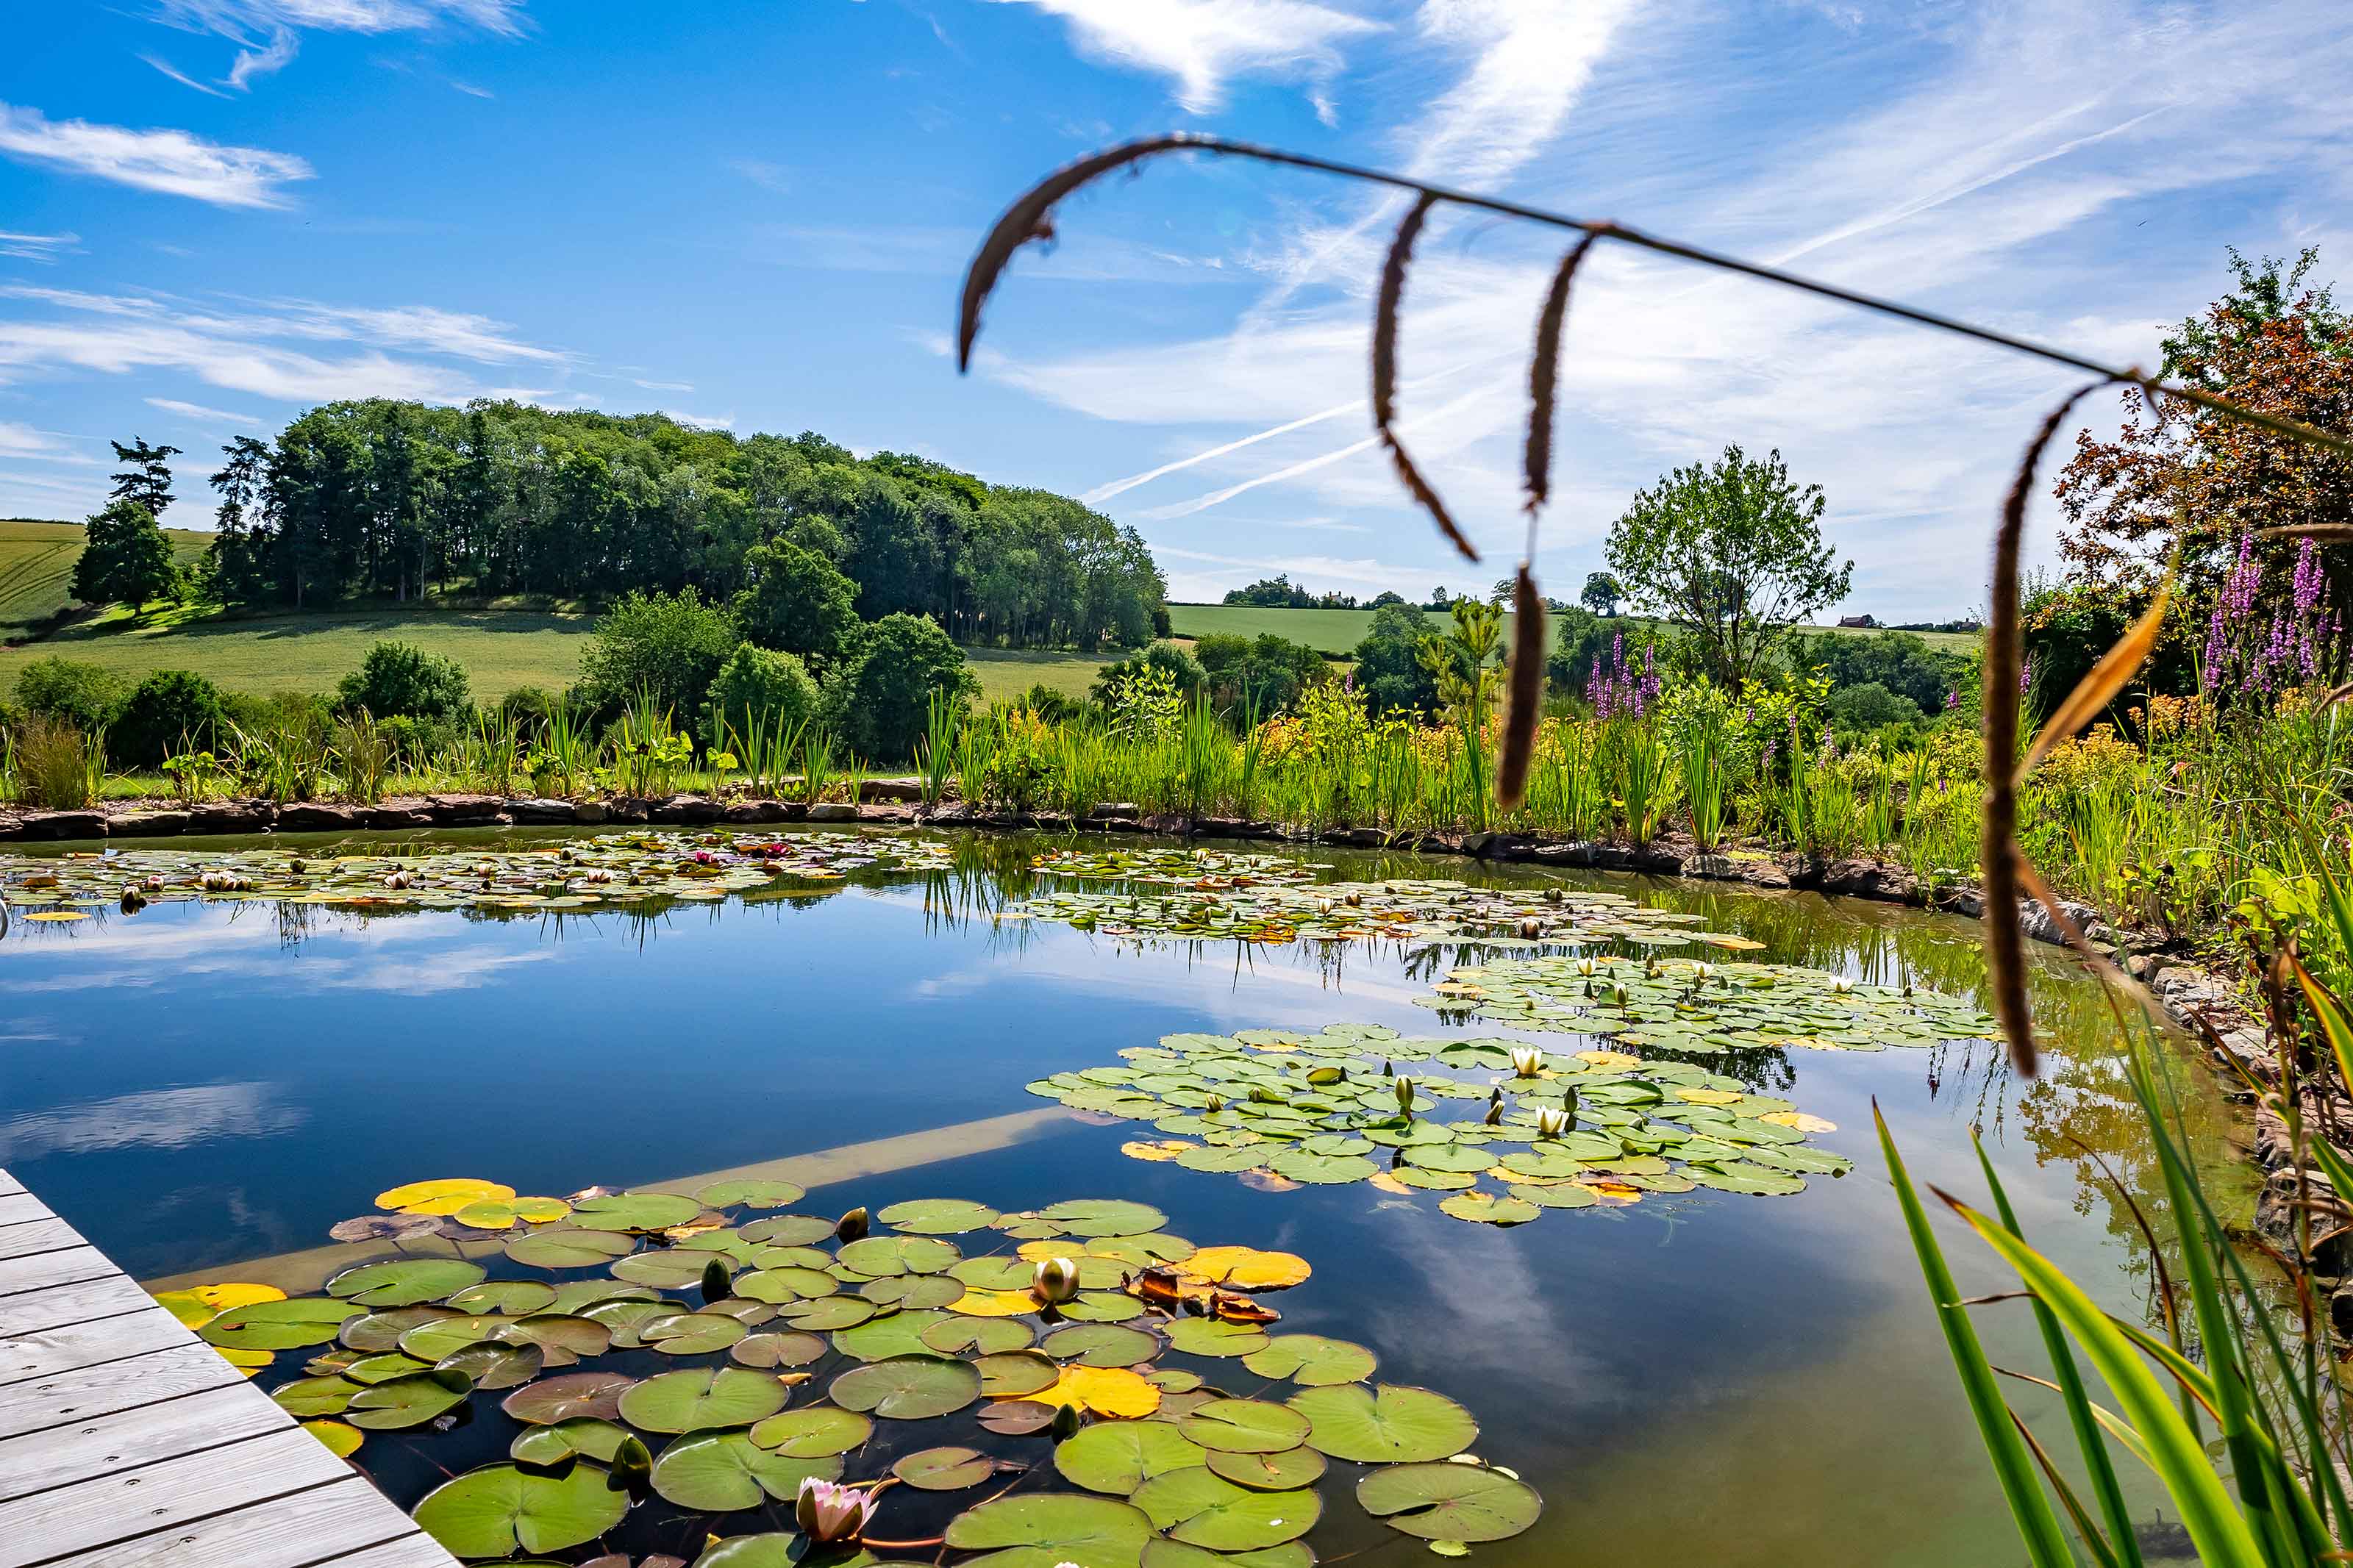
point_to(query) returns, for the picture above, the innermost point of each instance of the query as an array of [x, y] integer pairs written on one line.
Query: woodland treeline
[[388, 500]]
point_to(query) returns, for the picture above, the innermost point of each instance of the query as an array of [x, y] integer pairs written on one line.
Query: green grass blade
[[2126, 1548], [2218, 1531], [2038, 1525]]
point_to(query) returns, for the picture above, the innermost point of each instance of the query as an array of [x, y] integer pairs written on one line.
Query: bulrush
[[832, 1514], [1054, 1280]]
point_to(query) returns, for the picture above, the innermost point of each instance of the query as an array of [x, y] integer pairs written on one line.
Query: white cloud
[[173, 163], [37, 247], [267, 33], [20, 442], [197, 411], [700, 422], [1204, 43]]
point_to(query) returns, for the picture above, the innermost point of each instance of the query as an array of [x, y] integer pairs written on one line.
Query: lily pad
[[945, 1469], [404, 1281], [988, 1336], [1209, 1337], [1203, 1509], [908, 1387], [749, 1193], [1008, 1375], [1044, 1532], [812, 1431], [492, 1366], [702, 1398], [570, 1247], [1246, 1426], [315, 1395], [1102, 1216], [690, 1333], [552, 1446], [1450, 1502], [511, 1298], [1101, 1344], [1286, 1470], [635, 1211], [341, 1441], [1385, 1426], [572, 1396], [279, 1325], [408, 1401], [878, 1256], [777, 1350], [938, 1217], [896, 1334], [1117, 1456], [1311, 1361], [498, 1511], [719, 1472]]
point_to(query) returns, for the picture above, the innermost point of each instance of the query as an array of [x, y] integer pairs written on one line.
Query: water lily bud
[[1551, 1123], [851, 1226], [632, 1468], [1531, 927], [1388, 1069], [1703, 971], [1527, 1061], [1494, 1113], [1568, 1108], [1405, 1095], [1650, 969], [1618, 993], [1322, 906], [830, 1513], [1216, 1103], [718, 1282], [1065, 1425], [1907, 988], [1054, 1280], [1356, 899], [1552, 895]]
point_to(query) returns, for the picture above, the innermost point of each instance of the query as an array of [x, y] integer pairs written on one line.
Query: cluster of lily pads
[[1196, 894], [609, 869], [1703, 1008], [865, 1383], [1357, 1102]]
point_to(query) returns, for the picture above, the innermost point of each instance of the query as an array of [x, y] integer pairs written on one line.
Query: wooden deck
[[127, 1442]]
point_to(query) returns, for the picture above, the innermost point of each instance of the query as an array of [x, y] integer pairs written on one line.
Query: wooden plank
[[66, 1304], [149, 1435], [44, 1269], [93, 1513], [35, 1235], [418, 1551], [55, 1351], [88, 1393], [22, 1205], [325, 1524], [9, 1184]]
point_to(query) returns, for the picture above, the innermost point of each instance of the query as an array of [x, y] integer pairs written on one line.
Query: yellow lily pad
[[1103, 1390], [1246, 1269], [445, 1196]]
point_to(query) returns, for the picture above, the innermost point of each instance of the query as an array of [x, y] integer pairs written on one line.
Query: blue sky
[[215, 213]]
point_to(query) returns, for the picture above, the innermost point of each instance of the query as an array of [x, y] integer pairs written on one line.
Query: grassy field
[[1339, 631], [1009, 672], [37, 561]]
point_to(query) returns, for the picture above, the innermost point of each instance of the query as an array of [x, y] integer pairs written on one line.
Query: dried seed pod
[[1385, 331], [1525, 711]]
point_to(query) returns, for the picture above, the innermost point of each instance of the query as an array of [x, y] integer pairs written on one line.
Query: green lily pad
[[1321, 1170], [561, 1335], [584, 1439], [315, 1395], [566, 1246], [878, 1256], [1246, 1426], [719, 1472], [778, 1349], [404, 1281], [1101, 1344], [279, 1325], [690, 1333], [832, 1313], [988, 1336], [908, 1387], [770, 1550], [1385, 1426], [1209, 1337], [1753, 1181], [512, 1298], [945, 1469], [1450, 1502], [385, 1368], [442, 1337], [755, 1195], [1452, 1157], [1103, 1307], [812, 1431], [665, 1269], [1042, 1532], [1567, 1195], [1284, 1471], [897, 1334], [702, 1398], [572, 1396], [1161, 1552], [781, 1286], [938, 1217], [1102, 1216], [1486, 1210], [491, 1366], [912, 1290], [379, 1331], [1311, 1361], [1008, 1375], [635, 1211], [498, 1511], [1117, 1456], [407, 1401], [1203, 1509], [788, 1230], [1232, 1158]]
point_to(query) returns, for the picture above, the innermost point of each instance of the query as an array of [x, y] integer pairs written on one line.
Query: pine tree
[[125, 559]]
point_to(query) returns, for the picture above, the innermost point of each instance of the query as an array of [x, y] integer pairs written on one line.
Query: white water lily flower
[[1527, 1061], [1841, 984], [1585, 967], [828, 1512], [1551, 1123], [1054, 1280]]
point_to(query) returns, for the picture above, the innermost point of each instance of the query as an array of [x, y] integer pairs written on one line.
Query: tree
[[2194, 485], [1387, 596], [171, 711], [1437, 600], [1601, 593], [666, 646], [238, 568], [1732, 553], [124, 559], [1277, 593], [1263, 676], [147, 478], [797, 601], [757, 691], [1389, 670], [1901, 663], [880, 700], [400, 680], [1183, 671]]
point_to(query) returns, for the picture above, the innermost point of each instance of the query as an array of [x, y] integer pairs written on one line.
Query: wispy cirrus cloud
[[197, 411], [1203, 44], [37, 247], [267, 33], [172, 163]]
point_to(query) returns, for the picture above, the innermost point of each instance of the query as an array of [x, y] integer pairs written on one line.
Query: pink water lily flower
[[828, 1512]]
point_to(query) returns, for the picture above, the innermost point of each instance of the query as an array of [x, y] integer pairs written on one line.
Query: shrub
[[526, 707], [757, 685], [798, 601], [1898, 661], [82, 695], [880, 700], [1389, 670], [666, 647], [1871, 706], [399, 679], [172, 710], [1051, 706], [277, 713], [1182, 669]]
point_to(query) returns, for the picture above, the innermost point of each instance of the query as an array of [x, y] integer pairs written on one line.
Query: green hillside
[[1339, 631], [37, 561]]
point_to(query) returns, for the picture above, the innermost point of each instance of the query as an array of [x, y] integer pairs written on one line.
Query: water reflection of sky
[[1703, 1379]]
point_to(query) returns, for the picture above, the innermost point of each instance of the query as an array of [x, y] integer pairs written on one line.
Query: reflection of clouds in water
[[359, 956], [159, 1119]]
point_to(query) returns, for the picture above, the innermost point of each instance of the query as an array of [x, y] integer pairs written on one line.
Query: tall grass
[[53, 766]]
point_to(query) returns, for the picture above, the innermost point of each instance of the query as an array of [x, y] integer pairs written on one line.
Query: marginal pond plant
[[705, 1374], [1506, 1130]]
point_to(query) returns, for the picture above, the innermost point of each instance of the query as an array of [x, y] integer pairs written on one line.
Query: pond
[[206, 1087]]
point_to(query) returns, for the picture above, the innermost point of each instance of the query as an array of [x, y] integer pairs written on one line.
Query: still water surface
[[1701, 1378]]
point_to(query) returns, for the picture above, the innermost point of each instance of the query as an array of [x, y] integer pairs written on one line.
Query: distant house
[[1864, 621]]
